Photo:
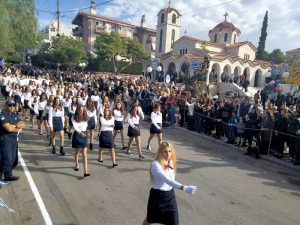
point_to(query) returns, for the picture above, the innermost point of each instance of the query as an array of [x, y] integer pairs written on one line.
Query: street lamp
[[82, 65]]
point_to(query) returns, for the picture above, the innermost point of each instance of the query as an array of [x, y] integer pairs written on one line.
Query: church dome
[[225, 25]]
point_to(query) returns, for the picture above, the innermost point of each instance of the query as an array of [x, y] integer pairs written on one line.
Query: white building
[[51, 31], [182, 54]]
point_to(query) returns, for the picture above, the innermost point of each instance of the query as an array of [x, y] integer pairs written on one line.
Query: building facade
[[182, 55], [51, 31], [90, 26]]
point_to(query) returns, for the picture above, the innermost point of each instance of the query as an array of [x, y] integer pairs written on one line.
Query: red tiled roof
[[169, 9], [225, 25], [293, 50], [235, 45]]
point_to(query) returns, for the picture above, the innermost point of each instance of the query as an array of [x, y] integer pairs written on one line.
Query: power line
[[208, 7]]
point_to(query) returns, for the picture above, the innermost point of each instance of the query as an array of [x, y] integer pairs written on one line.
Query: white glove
[[190, 189]]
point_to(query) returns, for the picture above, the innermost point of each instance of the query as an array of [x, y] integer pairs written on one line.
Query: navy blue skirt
[[133, 132], [26, 106], [91, 123], [106, 139], [66, 111], [118, 125], [39, 117], [96, 104], [162, 207], [17, 99], [57, 124], [154, 130], [79, 141], [46, 117], [70, 119]]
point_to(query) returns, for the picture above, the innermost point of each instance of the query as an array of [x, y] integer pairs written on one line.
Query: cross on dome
[[169, 4], [225, 15]]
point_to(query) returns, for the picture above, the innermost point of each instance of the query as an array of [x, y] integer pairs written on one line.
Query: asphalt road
[[232, 188]]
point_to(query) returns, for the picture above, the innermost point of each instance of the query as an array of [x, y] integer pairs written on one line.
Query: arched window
[[186, 51], [215, 39], [173, 36], [162, 18], [160, 40], [174, 18], [234, 38], [225, 37], [180, 52]]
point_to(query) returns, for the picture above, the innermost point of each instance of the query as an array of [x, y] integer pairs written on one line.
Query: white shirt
[[66, 102], [72, 108], [106, 125], [79, 126], [190, 108], [141, 113], [163, 179], [41, 105], [118, 115], [92, 114], [82, 101], [55, 113], [133, 120], [156, 118]]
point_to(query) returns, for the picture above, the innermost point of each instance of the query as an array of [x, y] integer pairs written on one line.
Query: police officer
[[10, 126]]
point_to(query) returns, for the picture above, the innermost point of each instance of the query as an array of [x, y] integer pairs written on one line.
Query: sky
[[198, 16]]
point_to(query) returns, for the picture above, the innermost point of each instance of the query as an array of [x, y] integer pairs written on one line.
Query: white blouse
[[156, 118], [163, 179], [118, 115], [55, 113], [106, 125], [79, 126], [133, 120], [92, 114], [66, 102]]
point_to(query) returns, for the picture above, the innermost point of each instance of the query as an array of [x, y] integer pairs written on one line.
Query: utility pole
[[58, 18]]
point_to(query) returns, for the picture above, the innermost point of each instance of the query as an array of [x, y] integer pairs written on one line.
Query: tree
[[262, 39], [276, 56], [110, 45], [19, 29]]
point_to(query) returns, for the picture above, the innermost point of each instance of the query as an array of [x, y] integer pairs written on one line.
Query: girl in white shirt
[[25, 99], [79, 139], [96, 100], [72, 109], [156, 125], [106, 135], [33, 100], [66, 102], [162, 205], [134, 130], [56, 124], [45, 115], [92, 115], [40, 107], [119, 118]]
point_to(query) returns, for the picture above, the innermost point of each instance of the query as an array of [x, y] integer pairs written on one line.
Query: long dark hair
[[80, 118]]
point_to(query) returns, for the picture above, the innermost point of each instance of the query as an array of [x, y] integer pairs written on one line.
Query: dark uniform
[[8, 144]]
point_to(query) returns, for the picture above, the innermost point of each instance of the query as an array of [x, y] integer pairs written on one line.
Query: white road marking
[[35, 192]]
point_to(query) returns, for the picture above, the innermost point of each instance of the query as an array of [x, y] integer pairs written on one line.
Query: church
[[182, 55]]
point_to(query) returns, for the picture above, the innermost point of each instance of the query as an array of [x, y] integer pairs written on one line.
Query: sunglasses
[[11, 105]]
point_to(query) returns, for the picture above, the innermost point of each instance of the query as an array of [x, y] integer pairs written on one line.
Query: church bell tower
[[167, 29]]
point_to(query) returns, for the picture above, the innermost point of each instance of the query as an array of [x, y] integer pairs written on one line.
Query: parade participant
[[96, 100], [59, 94], [92, 115], [106, 135], [16, 95], [46, 114], [134, 130], [66, 102], [33, 110], [162, 205], [83, 98], [156, 125], [56, 124], [10, 126], [40, 107], [79, 139], [119, 117], [25, 99], [105, 104], [72, 110]]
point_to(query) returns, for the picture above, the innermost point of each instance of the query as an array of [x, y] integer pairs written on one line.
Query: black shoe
[[100, 160], [69, 135], [62, 152], [86, 175], [11, 178], [91, 146], [115, 164], [65, 130], [76, 168], [238, 144], [53, 150], [124, 148]]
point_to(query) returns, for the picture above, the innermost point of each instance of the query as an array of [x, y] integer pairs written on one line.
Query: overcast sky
[[198, 16]]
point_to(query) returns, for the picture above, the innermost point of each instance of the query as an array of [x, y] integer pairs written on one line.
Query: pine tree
[[262, 39]]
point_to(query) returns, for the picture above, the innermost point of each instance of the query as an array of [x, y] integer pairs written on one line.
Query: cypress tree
[[262, 39]]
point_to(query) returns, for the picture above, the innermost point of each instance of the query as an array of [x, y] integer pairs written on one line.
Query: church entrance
[[214, 75], [172, 71], [257, 78], [185, 68]]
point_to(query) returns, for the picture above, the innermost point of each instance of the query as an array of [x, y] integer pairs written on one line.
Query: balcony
[[77, 31]]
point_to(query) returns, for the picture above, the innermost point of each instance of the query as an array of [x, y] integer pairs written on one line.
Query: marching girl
[[104, 104], [40, 107], [33, 110], [96, 100], [25, 99], [66, 102], [119, 117], [106, 135], [92, 115], [56, 124], [16, 94], [59, 94], [83, 98], [134, 130], [162, 205], [45, 115], [72, 110], [156, 125], [79, 139]]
